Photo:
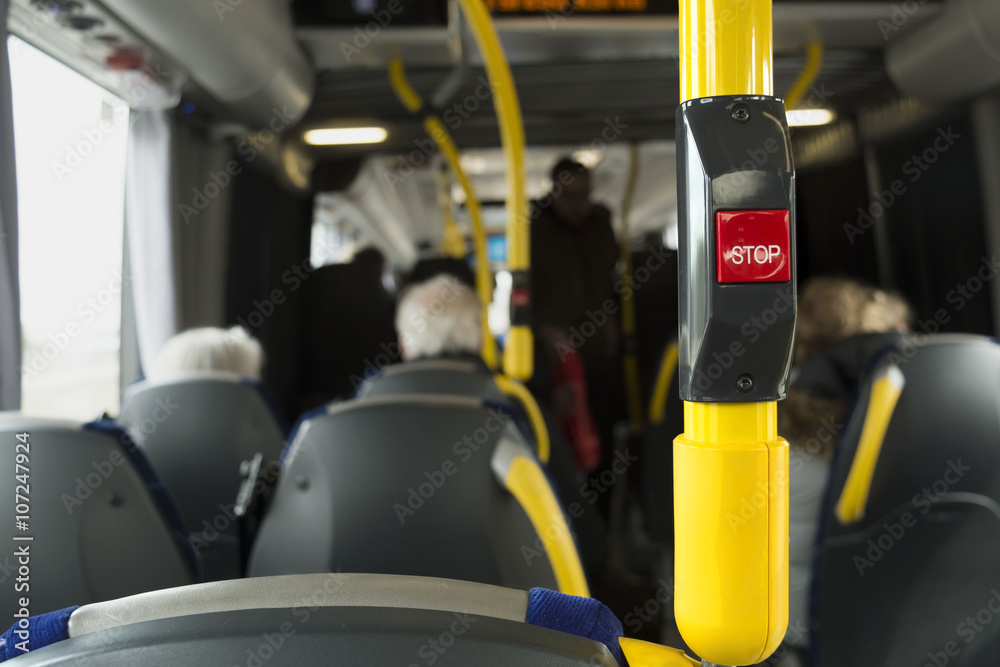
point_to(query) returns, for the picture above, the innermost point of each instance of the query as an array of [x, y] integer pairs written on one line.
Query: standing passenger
[[573, 260]]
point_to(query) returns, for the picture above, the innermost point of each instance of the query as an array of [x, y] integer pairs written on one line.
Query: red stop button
[[752, 246]]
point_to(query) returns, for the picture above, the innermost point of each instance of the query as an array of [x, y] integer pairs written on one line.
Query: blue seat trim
[[35, 632], [306, 416], [514, 410], [157, 489], [584, 617]]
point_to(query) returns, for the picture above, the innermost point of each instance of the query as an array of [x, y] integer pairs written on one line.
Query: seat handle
[[886, 390]]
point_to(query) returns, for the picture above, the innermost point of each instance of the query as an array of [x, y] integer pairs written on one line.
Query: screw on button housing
[[302, 482], [744, 383], [741, 113]]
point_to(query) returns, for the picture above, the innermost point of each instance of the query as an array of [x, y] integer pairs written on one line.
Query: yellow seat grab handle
[[640, 653], [524, 478], [516, 390], [886, 390]]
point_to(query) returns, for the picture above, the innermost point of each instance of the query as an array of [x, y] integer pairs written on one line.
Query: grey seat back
[[197, 428], [349, 619], [401, 485], [897, 585], [433, 376], [101, 525]]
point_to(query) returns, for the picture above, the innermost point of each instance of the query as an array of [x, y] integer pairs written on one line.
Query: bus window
[[70, 138], [334, 238]]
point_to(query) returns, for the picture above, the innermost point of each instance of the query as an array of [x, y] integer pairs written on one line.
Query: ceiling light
[[802, 117], [339, 136]]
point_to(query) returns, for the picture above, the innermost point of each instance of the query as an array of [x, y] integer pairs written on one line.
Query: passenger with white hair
[[210, 349], [439, 317]]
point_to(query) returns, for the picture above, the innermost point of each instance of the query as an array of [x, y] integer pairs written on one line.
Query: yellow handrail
[[814, 63], [518, 352], [437, 131]]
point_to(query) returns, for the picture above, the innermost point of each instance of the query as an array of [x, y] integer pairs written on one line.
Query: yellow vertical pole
[[730, 466], [518, 359]]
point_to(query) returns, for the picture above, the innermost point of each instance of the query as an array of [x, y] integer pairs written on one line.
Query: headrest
[[583, 617]]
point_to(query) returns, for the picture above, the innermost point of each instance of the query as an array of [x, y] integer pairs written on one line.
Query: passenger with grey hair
[[210, 349], [439, 317]]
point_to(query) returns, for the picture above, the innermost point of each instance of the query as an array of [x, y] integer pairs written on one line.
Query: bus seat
[[465, 377], [102, 523], [460, 377], [408, 485], [356, 619], [197, 428], [906, 551], [656, 462]]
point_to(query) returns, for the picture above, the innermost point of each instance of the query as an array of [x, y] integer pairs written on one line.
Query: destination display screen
[[582, 7], [415, 13], [395, 13]]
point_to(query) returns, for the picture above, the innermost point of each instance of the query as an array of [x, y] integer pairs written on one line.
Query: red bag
[[569, 395]]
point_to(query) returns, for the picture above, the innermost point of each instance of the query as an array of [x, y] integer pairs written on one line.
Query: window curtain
[[148, 217], [204, 171], [10, 307]]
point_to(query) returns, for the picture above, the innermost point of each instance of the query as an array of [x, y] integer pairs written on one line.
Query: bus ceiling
[[315, 62]]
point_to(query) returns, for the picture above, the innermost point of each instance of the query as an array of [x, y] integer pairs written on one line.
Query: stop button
[[752, 246]]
